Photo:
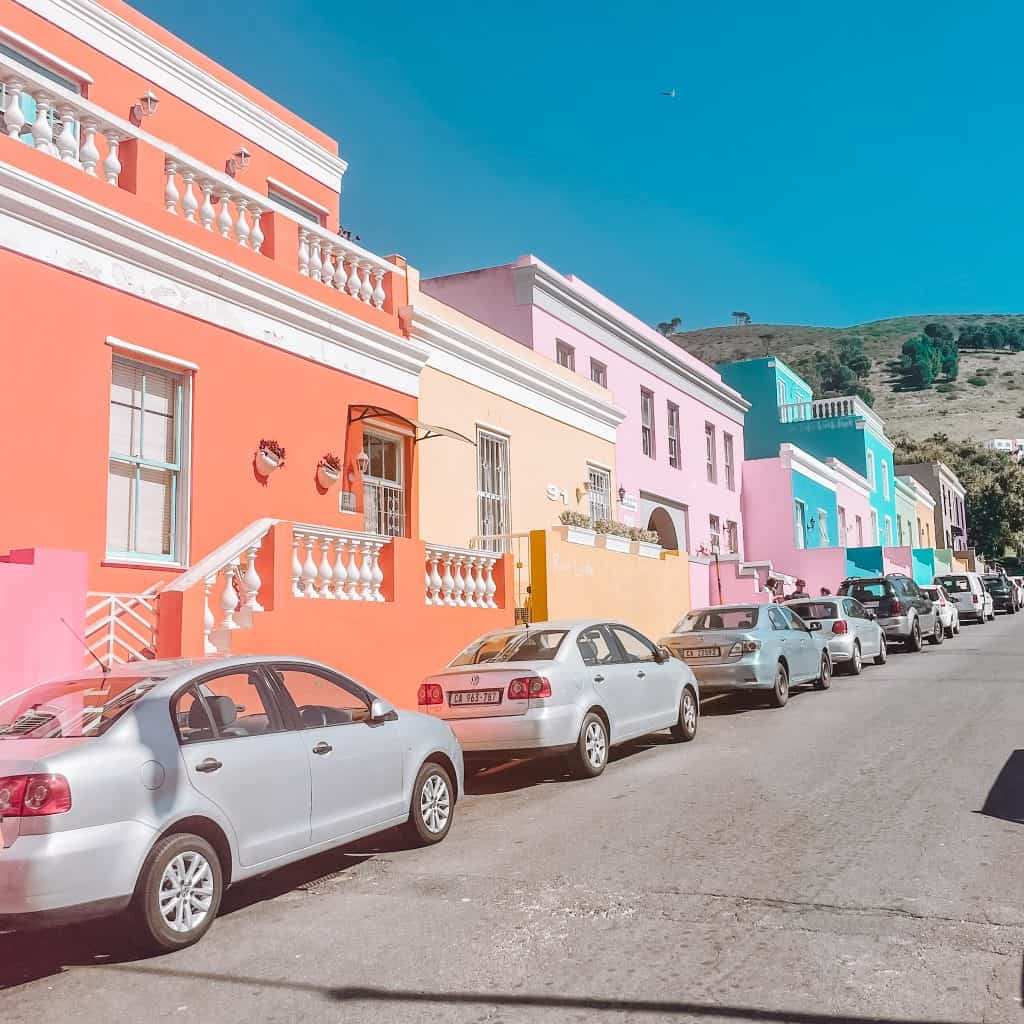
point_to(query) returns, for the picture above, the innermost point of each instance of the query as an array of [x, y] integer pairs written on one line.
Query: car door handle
[[598, 678], [322, 748], [211, 764], [641, 674]]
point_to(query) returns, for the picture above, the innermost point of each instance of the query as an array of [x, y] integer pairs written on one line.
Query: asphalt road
[[856, 856]]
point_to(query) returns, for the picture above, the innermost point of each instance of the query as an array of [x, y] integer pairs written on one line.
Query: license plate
[[462, 698], [703, 652]]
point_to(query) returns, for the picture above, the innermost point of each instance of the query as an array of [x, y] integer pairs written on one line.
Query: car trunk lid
[[711, 647], [481, 691], [20, 756]]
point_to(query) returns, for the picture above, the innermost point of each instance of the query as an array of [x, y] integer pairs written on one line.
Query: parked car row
[[151, 787]]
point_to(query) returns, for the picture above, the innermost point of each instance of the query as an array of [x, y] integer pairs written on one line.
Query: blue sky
[[822, 163]]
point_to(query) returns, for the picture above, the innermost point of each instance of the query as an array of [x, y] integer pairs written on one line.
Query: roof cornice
[[849, 477], [799, 461], [623, 337], [471, 358]]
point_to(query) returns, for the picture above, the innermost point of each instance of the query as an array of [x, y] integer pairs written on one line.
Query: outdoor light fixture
[[810, 524], [622, 494], [145, 106], [238, 162], [362, 463]]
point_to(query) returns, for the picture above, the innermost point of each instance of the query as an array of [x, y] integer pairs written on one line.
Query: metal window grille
[[600, 491], [647, 422], [673, 436], [492, 494], [384, 508]]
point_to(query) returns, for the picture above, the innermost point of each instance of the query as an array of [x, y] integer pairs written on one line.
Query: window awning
[[421, 431]]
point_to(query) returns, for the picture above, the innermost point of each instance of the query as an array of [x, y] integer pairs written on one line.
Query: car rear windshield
[[719, 618], [537, 645], [487, 648], [874, 591], [994, 583], [77, 708], [956, 584], [932, 592], [815, 610]]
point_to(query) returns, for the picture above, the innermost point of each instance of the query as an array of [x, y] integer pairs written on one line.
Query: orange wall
[[54, 420], [116, 88]]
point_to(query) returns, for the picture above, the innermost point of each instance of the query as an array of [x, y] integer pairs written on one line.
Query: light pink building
[[679, 451]]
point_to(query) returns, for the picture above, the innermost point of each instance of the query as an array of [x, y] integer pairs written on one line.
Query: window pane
[[322, 702], [155, 521], [635, 648], [235, 705], [120, 484], [594, 648]]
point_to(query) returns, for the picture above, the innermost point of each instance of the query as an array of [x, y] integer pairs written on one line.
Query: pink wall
[[898, 559], [856, 503], [700, 584], [37, 587]]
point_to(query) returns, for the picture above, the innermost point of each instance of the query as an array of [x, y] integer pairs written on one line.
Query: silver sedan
[[156, 785], [851, 631], [753, 648], [574, 687]]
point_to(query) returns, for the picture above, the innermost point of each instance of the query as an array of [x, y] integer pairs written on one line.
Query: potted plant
[[614, 535], [579, 529], [269, 456], [647, 543], [328, 471]]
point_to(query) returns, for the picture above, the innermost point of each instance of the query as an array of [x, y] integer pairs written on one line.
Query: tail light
[[840, 627], [430, 693], [895, 608], [33, 796], [974, 598], [527, 687], [744, 647]]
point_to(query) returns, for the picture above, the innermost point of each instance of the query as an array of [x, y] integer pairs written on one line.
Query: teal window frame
[[175, 468]]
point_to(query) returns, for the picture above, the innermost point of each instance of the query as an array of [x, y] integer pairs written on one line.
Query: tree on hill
[[925, 356], [841, 370], [994, 483], [740, 318], [670, 327]]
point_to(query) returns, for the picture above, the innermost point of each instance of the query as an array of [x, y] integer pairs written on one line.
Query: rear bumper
[[73, 874], [840, 648], [535, 730], [740, 675], [896, 627]]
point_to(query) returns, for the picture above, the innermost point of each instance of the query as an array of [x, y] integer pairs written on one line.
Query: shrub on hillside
[[978, 382]]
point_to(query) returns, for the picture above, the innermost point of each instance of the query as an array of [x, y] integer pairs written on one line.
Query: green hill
[[966, 412]]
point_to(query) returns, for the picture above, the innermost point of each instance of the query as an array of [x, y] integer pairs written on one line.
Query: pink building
[[679, 451]]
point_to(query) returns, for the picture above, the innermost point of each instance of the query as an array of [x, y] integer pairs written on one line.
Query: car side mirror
[[381, 711], [662, 656], [871, 615]]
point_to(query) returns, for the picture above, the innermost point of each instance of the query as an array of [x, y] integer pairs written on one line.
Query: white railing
[[460, 577], [69, 127], [827, 409], [336, 565], [121, 627]]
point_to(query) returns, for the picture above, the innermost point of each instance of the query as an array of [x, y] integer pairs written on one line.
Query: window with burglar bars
[[673, 436], [384, 485], [492, 490], [145, 478], [647, 422], [599, 488]]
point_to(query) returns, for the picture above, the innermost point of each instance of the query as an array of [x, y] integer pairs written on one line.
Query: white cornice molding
[[65, 230], [849, 477], [539, 285], [918, 490], [799, 461], [904, 487], [472, 359], [166, 69]]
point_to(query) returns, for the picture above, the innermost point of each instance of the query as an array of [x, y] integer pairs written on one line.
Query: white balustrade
[[460, 577], [336, 565], [336, 263], [827, 409]]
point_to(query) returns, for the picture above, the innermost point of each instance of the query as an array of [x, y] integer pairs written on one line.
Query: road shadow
[[721, 704], [1005, 799]]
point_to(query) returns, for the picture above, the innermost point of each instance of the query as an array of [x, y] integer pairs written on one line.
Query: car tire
[[856, 665], [913, 642], [883, 651], [949, 631], [181, 879], [590, 756], [432, 806], [956, 626], [938, 633], [824, 680], [780, 688], [686, 728]]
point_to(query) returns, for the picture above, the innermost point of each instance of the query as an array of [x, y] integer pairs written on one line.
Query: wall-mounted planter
[[580, 535], [327, 476], [613, 542], [267, 461], [645, 550]]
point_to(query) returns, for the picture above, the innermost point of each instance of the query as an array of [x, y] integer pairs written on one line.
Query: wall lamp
[[622, 494], [362, 463], [145, 106], [238, 162]]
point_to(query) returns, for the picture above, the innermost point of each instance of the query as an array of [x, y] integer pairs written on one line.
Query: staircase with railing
[[120, 628]]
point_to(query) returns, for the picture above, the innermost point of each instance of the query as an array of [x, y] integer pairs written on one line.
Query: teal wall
[[924, 565], [815, 497], [864, 561], [757, 380]]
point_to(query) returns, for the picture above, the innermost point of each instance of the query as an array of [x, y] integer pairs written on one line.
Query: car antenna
[[105, 669]]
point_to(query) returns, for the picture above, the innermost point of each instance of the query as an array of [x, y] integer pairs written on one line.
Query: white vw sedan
[[574, 687]]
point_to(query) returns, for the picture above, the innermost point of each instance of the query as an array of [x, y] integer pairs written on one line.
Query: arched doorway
[[661, 523]]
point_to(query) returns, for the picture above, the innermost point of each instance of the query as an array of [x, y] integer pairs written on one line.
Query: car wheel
[[938, 634], [432, 806], [914, 640], [780, 690], [883, 651], [956, 626], [686, 728], [856, 664], [178, 893], [949, 630], [590, 757], [824, 680]]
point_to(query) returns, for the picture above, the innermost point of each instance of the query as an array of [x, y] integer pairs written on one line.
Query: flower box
[[580, 535], [327, 476], [613, 542], [645, 550], [267, 461]]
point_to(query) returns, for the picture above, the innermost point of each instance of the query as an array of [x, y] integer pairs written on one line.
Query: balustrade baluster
[[309, 569], [89, 154], [365, 288], [206, 211], [327, 271], [435, 580], [296, 565], [340, 278], [353, 284], [14, 118], [326, 569], [459, 589], [67, 140], [365, 572], [42, 132], [111, 162], [378, 572], [315, 263], [225, 221], [251, 581], [469, 590], [189, 203], [340, 569], [353, 572], [208, 620], [229, 596], [242, 229], [447, 580], [379, 295], [170, 188], [256, 236], [303, 252]]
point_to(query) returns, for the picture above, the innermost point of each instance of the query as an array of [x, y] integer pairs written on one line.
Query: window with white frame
[[780, 391], [599, 490], [800, 524], [885, 480], [899, 529], [647, 422], [875, 537], [730, 466], [673, 436], [146, 493], [566, 355], [841, 517], [888, 530], [732, 537], [492, 489], [599, 373], [823, 527], [715, 530], [384, 484], [871, 470], [710, 453], [859, 530], [300, 209]]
